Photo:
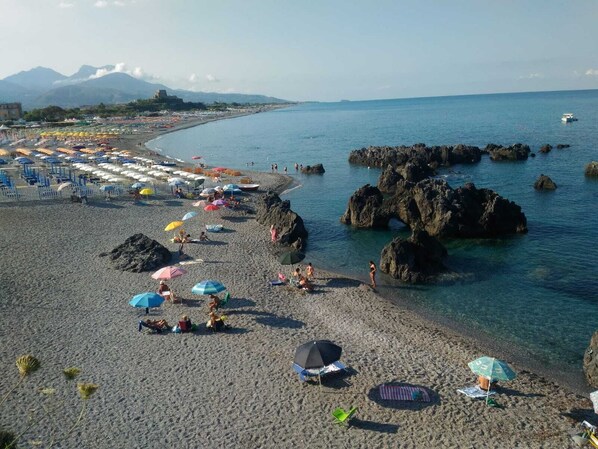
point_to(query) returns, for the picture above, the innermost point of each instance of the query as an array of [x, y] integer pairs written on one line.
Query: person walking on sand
[[372, 274], [273, 233]]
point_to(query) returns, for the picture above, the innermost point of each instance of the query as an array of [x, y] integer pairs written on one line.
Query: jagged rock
[[414, 171], [517, 152], [560, 146], [399, 156], [442, 211], [415, 260], [139, 253], [546, 148], [363, 210], [590, 361], [317, 169], [592, 169], [271, 210], [544, 183]]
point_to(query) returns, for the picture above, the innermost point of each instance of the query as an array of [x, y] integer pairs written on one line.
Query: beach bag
[[176, 329]]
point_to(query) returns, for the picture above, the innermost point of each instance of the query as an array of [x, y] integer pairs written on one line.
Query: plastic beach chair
[[342, 417], [223, 301]]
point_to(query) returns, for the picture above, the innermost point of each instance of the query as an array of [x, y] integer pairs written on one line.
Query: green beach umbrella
[[492, 369], [291, 257]]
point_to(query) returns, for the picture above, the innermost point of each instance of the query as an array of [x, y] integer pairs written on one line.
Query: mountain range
[[41, 87]]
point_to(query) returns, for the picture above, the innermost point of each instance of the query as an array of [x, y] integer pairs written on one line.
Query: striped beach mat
[[404, 393]]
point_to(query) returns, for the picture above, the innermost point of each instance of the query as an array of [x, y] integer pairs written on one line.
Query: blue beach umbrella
[[492, 369], [208, 287], [107, 188], [147, 300], [138, 185], [189, 215]]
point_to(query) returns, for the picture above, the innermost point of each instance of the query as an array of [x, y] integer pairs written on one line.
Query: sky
[[321, 50]]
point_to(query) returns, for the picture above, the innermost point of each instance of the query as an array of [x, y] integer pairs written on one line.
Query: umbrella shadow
[[342, 282], [510, 392], [105, 205], [214, 243], [271, 319], [581, 414], [172, 203], [235, 219], [336, 380], [374, 395], [374, 426], [240, 302]]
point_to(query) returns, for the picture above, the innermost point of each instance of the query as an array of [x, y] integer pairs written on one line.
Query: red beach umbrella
[[211, 207], [220, 169]]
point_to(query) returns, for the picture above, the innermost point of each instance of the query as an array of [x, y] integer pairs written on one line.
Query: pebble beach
[[66, 305]]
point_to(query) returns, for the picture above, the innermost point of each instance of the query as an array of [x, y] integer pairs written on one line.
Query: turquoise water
[[536, 292]]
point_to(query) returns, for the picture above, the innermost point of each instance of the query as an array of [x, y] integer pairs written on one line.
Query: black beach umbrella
[[291, 257], [317, 354]]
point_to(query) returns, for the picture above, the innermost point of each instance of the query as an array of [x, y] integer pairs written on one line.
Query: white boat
[[568, 118]]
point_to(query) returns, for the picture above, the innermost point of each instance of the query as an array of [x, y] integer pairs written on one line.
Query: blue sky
[[314, 49]]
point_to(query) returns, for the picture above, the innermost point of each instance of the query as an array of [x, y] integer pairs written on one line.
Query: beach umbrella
[[229, 187], [208, 287], [220, 169], [146, 191], [200, 203], [220, 203], [291, 257], [173, 225], [147, 300], [64, 185], [189, 215], [178, 182], [138, 185], [169, 273], [211, 208], [491, 369], [317, 354], [208, 191]]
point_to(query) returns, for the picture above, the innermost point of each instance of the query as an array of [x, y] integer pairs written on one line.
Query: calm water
[[537, 292]]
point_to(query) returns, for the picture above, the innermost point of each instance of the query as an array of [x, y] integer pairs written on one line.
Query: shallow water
[[537, 292]]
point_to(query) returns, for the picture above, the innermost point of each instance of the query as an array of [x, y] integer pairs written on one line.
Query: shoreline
[[576, 383]]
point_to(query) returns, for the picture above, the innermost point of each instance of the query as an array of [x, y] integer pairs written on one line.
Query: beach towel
[[475, 392], [403, 393], [276, 282], [189, 262]]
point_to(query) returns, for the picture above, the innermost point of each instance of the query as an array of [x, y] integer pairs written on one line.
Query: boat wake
[[291, 189]]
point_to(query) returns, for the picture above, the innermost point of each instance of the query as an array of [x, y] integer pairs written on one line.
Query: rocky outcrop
[[415, 260], [317, 169], [545, 148], [517, 152], [398, 156], [592, 169], [271, 210], [414, 171], [590, 361], [544, 183], [560, 146], [432, 205], [365, 209], [139, 253]]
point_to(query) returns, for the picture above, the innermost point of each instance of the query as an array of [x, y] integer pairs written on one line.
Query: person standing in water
[[372, 274]]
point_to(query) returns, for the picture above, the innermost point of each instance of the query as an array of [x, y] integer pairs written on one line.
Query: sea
[[532, 298]]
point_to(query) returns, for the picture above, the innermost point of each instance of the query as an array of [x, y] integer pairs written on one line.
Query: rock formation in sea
[[271, 210], [544, 183], [139, 253], [434, 206], [516, 152], [415, 260], [415, 170], [545, 148], [560, 146], [592, 169], [435, 156], [590, 361], [317, 169]]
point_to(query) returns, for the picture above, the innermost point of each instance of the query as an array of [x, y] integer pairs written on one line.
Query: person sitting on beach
[[216, 322], [157, 325], [185, 324], [214, 303], [203, 237], [179, 193], [297, 273], [305, 284], [164, 290]]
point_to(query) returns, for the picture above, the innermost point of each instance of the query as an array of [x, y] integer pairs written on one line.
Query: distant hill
[[39, 78], [41, 87]]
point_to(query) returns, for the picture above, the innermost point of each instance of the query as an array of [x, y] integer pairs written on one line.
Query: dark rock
[[139, 253], [532, 154], [592, 169], [317, 169], [271, 210], [590, 361], [437, 208], [415, 260], [560, 146], [545, 148], [517, 152], [415, 170], [364, 209], [544, 183]]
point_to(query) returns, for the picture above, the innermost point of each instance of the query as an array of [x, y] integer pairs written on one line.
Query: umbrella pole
[[488, 391]]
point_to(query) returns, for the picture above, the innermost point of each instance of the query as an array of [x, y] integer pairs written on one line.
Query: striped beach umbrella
[[208, 287]]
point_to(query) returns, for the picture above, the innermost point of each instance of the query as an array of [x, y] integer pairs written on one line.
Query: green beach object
[[492, 369], [342, 417]]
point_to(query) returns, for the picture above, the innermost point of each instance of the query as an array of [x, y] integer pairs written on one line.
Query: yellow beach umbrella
[[4, 152], [173, 225], [146, 192]]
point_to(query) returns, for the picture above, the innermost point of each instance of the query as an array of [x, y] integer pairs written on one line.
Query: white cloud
[[193, 78], [211, 78], [592, 72], [121, 67], [100, 4], [65, 5], [531, 76]]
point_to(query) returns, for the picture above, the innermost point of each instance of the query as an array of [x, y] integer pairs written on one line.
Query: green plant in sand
[[49, 408]]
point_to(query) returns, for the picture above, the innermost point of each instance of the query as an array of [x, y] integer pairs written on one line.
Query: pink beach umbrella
[[169, 273], [200, 203]]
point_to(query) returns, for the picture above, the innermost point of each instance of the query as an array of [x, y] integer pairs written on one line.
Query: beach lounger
[[403, 393], [306, 374], [342, 417], [276, 282], [475, 392]]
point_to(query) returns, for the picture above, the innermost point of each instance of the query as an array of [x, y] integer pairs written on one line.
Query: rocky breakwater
[[317, 169], [517, 152], [415, 260], [590, 361], [435, 156], [432, 205], [544, 183], [592, 169], [271, 210], [139, 253]]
